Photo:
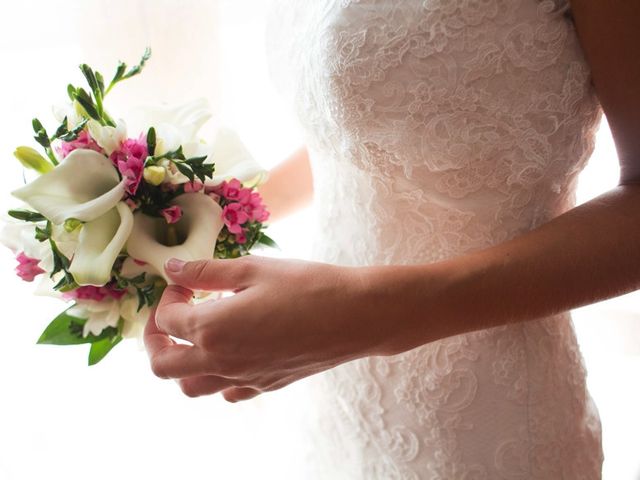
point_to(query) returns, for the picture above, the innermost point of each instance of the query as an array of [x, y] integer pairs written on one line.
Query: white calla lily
[[233, 160], [84, 186], [179, 126], [196, 232], [174, 126], [99, 244], [109, 138]]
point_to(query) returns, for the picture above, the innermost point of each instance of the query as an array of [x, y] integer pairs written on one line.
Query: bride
[[444, 140]]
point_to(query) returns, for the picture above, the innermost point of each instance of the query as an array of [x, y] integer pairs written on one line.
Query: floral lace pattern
[[436, 127]]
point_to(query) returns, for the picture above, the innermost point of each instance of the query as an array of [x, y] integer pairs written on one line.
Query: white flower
[[179, 126], [86, 187], [99, 314], [70, 111], [134, 320], [196, 233], [233, 160], [19, 236], [109, 138], [108, 312], [174, 126], [99, 244], [67, 242]]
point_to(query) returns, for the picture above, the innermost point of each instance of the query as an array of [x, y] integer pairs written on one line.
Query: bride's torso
[[436, 127]]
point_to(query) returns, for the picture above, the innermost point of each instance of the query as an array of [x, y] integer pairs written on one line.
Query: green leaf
[[124, 282], [60, 262], [66, 329], [66, 283], [174, 155], [43, 234], [122, 67], [185, 170], [136, 69], [41, 134], [146, 296], [200, 169], [90, 76], [27, 215], [100, 349], [151, 141], [62, 129], [71, 92], [267, 241], [59, 331], [85, 100], [100, 80], [73, 134]]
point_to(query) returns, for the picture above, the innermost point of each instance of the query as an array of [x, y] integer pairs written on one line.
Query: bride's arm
[[585, 255], [588, 254], [292, 319], [289, 186]]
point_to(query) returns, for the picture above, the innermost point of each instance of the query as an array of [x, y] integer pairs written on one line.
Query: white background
[[62, 420]]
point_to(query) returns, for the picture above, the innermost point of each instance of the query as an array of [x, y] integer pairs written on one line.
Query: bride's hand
[[288, 320]]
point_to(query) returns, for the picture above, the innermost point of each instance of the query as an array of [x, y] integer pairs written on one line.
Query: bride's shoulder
[[609, 34]]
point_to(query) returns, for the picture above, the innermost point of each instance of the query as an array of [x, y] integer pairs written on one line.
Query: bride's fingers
[[203, 385], [212, 275], [174, 314], [154, 339], [179, 361], [235, 394]]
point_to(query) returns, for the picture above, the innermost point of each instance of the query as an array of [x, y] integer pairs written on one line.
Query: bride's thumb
[[208, 275]]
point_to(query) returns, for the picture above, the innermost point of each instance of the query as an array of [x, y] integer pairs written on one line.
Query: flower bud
[[71, 224], [154, 175], [79, 110], [30, 158]]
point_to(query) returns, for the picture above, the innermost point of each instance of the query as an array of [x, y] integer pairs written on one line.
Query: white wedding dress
[[437, 127]]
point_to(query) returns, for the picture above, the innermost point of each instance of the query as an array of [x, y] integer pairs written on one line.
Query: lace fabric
[[437, 127]]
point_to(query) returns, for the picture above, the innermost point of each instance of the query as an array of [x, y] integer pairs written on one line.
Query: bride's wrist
[[398, 305]]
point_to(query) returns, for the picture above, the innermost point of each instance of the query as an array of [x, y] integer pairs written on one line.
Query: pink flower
[[234, 216], [254, 207], [130, 162], [90, 292], [233, 190], [215, 190], [241, 238], [84, 140], [215, 197], [172, 214], [194, 186], [260, 215], [27, 268]]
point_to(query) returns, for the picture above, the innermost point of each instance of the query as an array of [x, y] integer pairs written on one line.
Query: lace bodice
[[436, 127]]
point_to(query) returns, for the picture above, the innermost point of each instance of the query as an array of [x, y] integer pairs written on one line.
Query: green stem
[[51, 156]]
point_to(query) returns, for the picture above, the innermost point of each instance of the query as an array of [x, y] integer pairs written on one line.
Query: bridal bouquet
[[110, 206]]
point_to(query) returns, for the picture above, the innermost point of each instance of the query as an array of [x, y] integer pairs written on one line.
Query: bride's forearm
[[590, 253], [289, 186]]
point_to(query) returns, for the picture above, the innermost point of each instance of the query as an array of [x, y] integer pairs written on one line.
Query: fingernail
[[174, 265]]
